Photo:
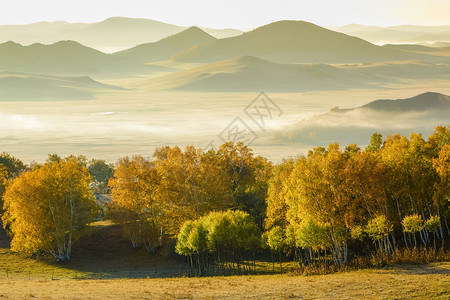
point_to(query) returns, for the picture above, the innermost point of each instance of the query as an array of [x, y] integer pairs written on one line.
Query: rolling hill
[[423, 102], [251, 74], [110, 35], [355, 125], [275, 49], [65, 58], [294, 42], [165, 48], [34, 87]]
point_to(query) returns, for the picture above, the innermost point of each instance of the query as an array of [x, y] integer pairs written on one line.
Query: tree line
[[393, 193], [226, 204]]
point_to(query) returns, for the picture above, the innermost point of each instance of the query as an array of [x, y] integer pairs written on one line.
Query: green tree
[[225, 235], [376, 141], [197, 242], [100, 172], [314, 237], [13, 165], [378, 229], [432, 225], [413, 224], [275, 241]]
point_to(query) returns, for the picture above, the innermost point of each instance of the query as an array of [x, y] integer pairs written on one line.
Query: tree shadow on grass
[[425, 269]]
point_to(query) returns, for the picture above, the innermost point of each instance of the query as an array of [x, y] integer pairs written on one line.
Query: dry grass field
[[400, 282], [22, 277]]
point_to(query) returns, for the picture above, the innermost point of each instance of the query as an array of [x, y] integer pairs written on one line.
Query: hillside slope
[[422, 102], [64, 58], [110, 35], [252, 74], [415, 114], [165, 48], [293, 41], [33, 87]]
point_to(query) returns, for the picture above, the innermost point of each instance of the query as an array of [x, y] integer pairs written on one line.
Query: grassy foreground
[[400, 282]]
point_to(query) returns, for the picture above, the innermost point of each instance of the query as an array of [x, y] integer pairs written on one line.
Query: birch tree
[[133, 204], [48, 208], [190, 184]]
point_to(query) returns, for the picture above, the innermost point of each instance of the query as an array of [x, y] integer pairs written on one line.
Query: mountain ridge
[[354, 125], [421, 102], [249, 73], [294, 42], [166, 47], [110, 35]]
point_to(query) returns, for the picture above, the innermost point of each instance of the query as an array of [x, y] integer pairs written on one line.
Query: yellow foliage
[[46, 209]]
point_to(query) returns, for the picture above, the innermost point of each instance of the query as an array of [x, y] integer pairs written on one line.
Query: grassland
[[96, 271], [401, 282], [101, 262]]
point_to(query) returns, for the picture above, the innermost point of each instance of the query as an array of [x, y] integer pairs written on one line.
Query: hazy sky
[[243, 14]]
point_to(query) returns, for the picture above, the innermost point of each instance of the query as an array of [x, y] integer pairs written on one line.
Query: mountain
[[35, 87], [355, 125], [41, 32], [64, 58], [165, 48], [422, 102], [250, 74], [110, 35], [295, 42], [118, 32], [411, 47]]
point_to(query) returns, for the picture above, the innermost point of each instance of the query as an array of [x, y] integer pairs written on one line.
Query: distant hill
[[416, 114], [34, 87], [410, 47], [253, 74], [249, 73], [397, 34], [278, 44], [64, 58], [295, 42], [165, 48], [61, 56], [437, 44], [422, 102], [110, 35]]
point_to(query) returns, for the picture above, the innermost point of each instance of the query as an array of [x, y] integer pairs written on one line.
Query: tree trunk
[[424, 239], [281, 266], [273, 263]]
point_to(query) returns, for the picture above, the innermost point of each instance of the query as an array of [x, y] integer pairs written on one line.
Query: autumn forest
[[332, 208]]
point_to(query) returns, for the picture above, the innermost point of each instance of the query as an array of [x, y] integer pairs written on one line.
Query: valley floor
[[399, 282]]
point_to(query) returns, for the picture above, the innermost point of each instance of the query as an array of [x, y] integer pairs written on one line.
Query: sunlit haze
[[234, 13]]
